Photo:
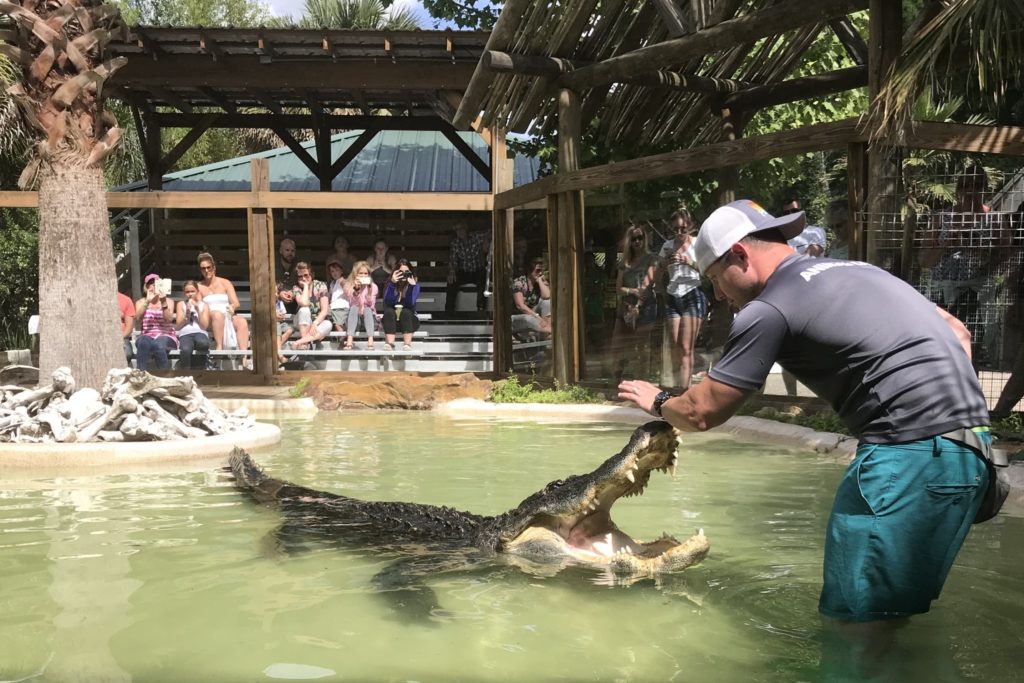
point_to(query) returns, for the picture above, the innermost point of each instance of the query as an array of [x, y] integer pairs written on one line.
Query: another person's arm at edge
[[963, 335], [702, 407]]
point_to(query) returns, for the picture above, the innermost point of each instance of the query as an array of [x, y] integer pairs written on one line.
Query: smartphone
[[365, 280], [163, 286]]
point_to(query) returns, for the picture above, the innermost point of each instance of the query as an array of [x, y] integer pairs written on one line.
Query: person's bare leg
[[217, 328], [687, 341], [862, 649], [674, 348]]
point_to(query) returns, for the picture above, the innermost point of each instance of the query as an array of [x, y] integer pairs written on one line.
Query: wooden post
[[502, 227], [566, 255], [856, 184], [885, 23], [261, 277], [729, 176], [135, 263]]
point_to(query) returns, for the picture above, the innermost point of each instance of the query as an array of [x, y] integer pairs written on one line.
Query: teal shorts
[[901, 513]]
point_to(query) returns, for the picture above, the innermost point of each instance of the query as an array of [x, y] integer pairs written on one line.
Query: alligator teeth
[[672, 470], [636, 466], [593, 504], [700, 531], [630, 476]]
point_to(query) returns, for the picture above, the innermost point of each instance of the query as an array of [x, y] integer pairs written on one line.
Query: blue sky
[[294, 8]]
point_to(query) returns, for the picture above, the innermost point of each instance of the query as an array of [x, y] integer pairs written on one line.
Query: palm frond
[[983, 35]]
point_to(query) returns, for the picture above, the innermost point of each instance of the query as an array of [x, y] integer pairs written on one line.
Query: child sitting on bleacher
[[284, 318], [336, 289]]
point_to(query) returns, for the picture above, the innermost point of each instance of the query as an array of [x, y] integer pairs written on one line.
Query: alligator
[[568, 522]]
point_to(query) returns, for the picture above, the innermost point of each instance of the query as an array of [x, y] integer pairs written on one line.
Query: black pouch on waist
[[996, 463]]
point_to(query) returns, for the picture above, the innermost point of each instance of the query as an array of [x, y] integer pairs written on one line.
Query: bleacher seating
[[441, 344]]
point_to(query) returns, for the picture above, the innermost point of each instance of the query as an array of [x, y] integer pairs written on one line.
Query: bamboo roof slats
[[651, 72]]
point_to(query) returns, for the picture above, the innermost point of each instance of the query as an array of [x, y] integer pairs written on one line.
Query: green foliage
[[370, 15], [477, 15], [511, 391], [19, 275], [299, 389], [237, 13]]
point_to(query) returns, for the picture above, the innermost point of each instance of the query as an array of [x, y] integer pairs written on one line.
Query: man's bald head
[[287, 250]]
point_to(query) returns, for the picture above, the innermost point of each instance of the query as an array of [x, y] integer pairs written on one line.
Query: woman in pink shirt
[[362, 299]]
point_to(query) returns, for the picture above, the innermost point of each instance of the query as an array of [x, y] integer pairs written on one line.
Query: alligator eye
[[555, 484]]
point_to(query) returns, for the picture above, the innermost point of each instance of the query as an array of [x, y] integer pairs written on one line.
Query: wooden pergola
[[689, 74], [286, 80]]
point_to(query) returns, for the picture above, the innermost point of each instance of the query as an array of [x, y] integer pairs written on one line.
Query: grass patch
[[512, 391], [299, 389]]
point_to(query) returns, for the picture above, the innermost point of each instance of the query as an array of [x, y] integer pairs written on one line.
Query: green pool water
[[165, 576]]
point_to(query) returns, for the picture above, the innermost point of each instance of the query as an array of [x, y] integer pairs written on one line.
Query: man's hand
[[639, 392]]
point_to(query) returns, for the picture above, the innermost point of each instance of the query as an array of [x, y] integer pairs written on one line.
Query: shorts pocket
[[949, 495]]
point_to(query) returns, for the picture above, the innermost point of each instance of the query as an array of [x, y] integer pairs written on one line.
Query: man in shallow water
[[895, 368]]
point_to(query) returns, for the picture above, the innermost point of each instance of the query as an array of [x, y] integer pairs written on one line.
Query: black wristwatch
[[660, 399]]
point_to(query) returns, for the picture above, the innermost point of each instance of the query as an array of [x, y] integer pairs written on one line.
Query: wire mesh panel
[[954, 229]]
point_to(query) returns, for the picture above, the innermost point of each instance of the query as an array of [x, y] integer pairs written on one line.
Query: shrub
[[512, 391], [300, 388]]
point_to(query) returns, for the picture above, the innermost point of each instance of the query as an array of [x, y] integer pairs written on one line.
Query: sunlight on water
[[169, 576]]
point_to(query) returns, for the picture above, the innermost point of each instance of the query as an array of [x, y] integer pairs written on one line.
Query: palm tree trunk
[[79, 323]]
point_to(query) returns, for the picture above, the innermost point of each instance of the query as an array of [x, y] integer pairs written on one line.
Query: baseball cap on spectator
[[150, 278], [728, 224]]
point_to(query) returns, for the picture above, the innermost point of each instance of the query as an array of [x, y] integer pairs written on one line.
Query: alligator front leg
[[400, 584]]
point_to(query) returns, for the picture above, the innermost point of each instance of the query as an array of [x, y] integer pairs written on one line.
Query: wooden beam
[[729, 176], [224, 103], [233, 71], [502, 241], [480, 82], [261, 277], [748, 28], [716, 155], [209, 46], [566, 252], [468, 152], [268, 102], [885, 21], [408, 201], [171, 98], [856, 190], [353, 149], [961, 137], [301, 152], [851, 39], [147, 45], [796, 89], [306, 121], [672, 16], [537, 65], [185, 144]]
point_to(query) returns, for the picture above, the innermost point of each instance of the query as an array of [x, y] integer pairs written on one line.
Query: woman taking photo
[[686, 306], [400, 306], [362, 299], [193, 320], [157, 319]]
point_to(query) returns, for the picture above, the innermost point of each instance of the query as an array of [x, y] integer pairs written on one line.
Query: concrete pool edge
[[746, 427], [79, 457]]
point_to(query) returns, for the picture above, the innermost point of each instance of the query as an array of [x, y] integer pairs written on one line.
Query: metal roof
[[394, 161]]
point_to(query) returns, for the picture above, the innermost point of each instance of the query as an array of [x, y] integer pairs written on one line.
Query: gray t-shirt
[[863, 340]]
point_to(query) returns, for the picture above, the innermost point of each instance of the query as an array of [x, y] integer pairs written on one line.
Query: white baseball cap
[[728, 224]]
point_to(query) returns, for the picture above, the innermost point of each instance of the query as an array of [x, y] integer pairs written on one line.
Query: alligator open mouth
[[572, 517]]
